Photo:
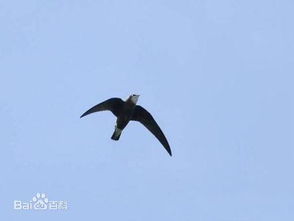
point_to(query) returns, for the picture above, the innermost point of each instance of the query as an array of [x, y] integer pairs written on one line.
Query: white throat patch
[[135, 98]]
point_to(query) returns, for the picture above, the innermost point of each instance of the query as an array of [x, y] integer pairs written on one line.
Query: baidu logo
[[40, 202]]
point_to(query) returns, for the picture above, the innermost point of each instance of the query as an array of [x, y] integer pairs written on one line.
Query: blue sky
[[216, 75]]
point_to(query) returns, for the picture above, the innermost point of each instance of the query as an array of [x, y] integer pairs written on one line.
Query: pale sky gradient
[[216, 75]]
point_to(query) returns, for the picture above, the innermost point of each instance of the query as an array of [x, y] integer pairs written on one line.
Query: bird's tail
[[116, 134]]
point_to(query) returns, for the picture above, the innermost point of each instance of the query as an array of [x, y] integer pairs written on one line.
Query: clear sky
[[216, 75]]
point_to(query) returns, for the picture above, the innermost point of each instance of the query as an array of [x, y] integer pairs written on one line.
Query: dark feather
[[144, 117], [113, 104]]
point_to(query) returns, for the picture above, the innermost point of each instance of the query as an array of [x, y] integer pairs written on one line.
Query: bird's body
[[124, 117], [128, 110]]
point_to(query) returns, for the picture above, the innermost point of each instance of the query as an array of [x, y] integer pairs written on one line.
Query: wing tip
[[86, 113], [82, 115], [167, 148]]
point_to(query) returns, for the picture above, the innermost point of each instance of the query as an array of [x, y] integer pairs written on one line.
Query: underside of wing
[[113, 104], [144, 117]]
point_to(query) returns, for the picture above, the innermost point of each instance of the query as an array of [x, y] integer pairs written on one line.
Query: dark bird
[[128, 110]]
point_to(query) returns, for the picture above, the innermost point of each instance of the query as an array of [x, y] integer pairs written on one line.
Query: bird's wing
[[113, 104], [144, 117]]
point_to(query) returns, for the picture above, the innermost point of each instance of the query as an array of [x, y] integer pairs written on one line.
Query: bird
[[127, 111]]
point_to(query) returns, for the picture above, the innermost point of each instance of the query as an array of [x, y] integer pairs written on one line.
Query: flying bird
[[127, 111]]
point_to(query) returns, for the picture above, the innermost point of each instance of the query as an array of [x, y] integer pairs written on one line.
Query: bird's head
[[134, 98]]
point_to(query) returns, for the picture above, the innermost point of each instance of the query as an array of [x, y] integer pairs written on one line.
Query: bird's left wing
[[113, 104], [144, 117]]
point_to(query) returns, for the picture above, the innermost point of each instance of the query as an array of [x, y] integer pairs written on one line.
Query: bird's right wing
[[113, 104], [144, 117]]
